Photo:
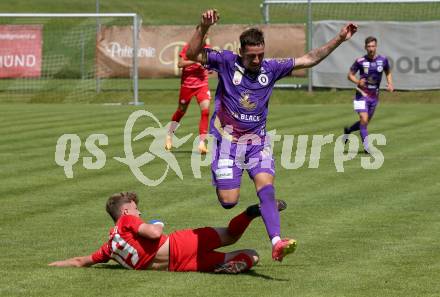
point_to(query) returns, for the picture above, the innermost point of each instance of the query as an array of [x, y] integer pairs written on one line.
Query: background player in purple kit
[[245, 83], [370, 67]]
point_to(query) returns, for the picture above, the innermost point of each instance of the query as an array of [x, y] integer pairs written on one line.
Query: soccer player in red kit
[[138, 245], [194, 83]]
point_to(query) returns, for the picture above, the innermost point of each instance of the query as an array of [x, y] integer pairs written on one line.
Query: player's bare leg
[[203, 126], [177, 116], [228, 198], [271, 217]]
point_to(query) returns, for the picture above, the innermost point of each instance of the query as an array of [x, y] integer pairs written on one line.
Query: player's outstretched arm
[[84, 261], [196, 43], [318, 54]]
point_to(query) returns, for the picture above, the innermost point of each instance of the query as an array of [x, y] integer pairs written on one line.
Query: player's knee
[[183, 107], [204, 105], [228, 198], [364, 120], [227, 205]]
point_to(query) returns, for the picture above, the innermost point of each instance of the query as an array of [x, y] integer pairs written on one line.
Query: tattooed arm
[[318, 54], [197, 41]]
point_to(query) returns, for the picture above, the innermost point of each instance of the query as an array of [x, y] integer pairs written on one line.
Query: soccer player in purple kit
[[370, 67], [245, 83]]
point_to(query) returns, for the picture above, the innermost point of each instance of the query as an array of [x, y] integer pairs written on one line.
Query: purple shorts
[[230, 159], [364, 104]]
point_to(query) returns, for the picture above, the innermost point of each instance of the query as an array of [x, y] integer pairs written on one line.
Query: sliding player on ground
[[138, 245]]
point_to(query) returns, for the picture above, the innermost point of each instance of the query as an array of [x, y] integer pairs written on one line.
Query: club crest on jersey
[[245, 102], [379, 68], [263, 79]]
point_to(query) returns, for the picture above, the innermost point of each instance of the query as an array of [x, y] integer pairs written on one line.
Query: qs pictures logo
[[135, 163]]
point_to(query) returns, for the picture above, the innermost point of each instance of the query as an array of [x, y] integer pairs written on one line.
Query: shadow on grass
[[249, 273], [109, 266], [266, 277], [359, 152]]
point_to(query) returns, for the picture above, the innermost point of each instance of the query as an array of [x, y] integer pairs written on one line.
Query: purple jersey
[[242, 98], [371, 71]]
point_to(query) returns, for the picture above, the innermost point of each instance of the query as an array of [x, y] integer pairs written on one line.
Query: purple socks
[[364, 135], [269, 210]]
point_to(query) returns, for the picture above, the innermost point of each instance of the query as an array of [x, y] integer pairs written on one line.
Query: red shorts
[[193, 250], [201, 93]]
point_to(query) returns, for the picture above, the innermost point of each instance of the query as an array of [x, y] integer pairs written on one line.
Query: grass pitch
[[360, 232]]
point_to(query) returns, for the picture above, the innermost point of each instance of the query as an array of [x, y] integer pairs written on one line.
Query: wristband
[[156, 222]]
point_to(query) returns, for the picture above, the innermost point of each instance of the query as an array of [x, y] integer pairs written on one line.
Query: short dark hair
[[251, 36], [370, 39], [116, 200]]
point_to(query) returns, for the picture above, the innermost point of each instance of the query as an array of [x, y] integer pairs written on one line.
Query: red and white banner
[[20, 50]]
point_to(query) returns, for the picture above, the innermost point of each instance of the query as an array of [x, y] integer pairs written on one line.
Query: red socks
[[177, 115], [244, 257], [203, 124], [238, 225]]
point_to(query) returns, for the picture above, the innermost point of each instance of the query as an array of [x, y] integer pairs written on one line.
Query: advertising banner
[[159, 47], [413, 49], [20, 51]]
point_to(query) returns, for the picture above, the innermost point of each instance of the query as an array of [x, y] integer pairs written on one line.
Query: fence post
[[309, 41]]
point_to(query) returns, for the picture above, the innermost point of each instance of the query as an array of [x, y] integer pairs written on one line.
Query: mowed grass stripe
[[356, 229]]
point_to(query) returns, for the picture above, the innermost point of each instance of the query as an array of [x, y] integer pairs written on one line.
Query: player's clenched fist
[[348, 31], [209, 17]]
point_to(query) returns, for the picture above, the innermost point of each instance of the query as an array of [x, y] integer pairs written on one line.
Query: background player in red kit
[[194, 83], [138, 245]]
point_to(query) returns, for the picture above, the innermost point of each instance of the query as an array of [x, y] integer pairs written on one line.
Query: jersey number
[[123, 252]]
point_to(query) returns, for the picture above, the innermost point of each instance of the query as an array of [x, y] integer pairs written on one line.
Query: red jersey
[[195, 75], [127, 247]]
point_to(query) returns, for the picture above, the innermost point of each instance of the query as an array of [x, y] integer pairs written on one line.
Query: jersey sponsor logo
[[366, 65], [237, 78], [245, 102], [224, 173], [371, 81], [263, 79], [250, 117]]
